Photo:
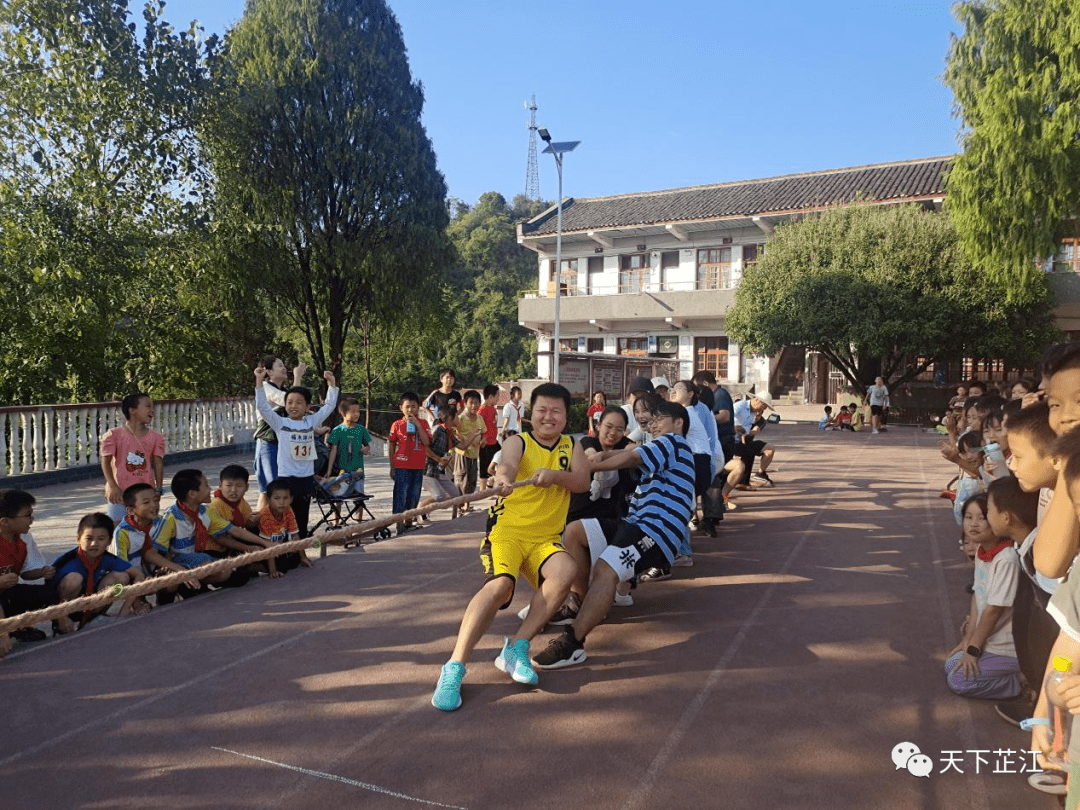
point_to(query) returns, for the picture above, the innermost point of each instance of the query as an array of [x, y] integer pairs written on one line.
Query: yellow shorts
[[503, 555]]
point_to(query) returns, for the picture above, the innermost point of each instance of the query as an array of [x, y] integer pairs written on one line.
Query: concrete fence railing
[[43, 438]]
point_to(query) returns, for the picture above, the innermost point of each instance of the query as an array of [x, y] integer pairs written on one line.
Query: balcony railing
[[41, 438], [616, 289]]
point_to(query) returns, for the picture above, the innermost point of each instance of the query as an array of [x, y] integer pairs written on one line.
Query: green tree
[[104, 283], [867, 284], [1015, 76], [330, 202], [490, 272]]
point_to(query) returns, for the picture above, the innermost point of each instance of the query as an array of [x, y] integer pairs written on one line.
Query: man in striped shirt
[[648, 537]]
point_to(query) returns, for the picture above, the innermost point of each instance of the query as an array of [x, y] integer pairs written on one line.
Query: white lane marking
[[335, 778], [172, 690], [640, 797], [862, 571]]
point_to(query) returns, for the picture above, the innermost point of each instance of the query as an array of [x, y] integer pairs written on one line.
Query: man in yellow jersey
[[524, 528]]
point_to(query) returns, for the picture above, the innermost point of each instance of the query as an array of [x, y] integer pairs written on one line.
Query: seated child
[[21, 561], [983, 664], [190, 532], [90, 568], [843, 419], [354, 442], [277, 523], [229, 505], [827, 421]]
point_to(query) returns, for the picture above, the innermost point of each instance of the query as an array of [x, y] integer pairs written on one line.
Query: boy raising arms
[[524, 528]]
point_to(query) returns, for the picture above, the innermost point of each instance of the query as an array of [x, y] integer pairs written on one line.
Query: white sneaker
[[624, 600], [523, 613], [682, 562], [876, 432]]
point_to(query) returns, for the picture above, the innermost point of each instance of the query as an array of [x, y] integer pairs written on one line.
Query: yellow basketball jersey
[[539, 511]]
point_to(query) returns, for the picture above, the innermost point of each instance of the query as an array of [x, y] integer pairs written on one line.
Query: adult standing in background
[[877, 397], [265, 438], [723, 411]]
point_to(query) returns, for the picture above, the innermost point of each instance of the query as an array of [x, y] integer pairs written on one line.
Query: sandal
[[1052, 782]]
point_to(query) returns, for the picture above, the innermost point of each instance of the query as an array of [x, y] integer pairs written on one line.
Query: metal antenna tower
[[532, 174]]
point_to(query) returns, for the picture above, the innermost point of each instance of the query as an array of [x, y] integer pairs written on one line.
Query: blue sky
[[662, 96]]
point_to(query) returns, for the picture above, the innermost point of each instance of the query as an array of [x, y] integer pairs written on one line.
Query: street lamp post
[[557, 150]]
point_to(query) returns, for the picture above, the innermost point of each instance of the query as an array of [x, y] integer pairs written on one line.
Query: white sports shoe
[[523, 613], [624, 600]]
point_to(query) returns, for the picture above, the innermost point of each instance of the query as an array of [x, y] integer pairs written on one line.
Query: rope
[[155, 584]]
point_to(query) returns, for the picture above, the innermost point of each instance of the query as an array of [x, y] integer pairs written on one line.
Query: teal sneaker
[[447, 695], [514, 661]]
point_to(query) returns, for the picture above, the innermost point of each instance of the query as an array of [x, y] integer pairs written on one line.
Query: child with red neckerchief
[[89, 568], [984, 663]]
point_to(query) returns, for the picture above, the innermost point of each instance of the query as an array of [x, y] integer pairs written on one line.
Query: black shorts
[[487, 453], [876, 410], [702, 472], [630, 551], [23, 598]]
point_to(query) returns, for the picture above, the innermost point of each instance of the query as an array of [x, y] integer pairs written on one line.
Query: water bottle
[[1060, 717], [994, 453]]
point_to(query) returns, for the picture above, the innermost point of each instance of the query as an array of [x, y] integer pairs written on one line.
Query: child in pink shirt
[[132, 454]]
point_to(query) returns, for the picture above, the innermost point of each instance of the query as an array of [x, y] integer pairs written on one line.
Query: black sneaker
[[1013, 711], [29, 634], [764, 476], [654, 575], [564, 615], [563, 651]]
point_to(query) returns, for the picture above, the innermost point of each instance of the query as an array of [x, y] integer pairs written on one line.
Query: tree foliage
[[330, 202], [104, 285], [1015, 76], [863, 284]]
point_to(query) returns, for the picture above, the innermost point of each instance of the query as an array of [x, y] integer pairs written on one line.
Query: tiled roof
[[779, 195]]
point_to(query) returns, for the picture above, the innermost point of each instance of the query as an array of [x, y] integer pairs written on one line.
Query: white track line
[[172, 690], [335, 778], [640, 797]]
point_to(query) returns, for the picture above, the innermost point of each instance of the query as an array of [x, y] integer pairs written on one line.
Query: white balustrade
[[41, 438]]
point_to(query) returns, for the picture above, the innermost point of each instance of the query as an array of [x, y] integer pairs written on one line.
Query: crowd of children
[[1017, 500]]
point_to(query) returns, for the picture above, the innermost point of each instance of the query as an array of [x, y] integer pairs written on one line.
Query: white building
[[648, 278]]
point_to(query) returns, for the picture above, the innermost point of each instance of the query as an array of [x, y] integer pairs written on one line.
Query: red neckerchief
[[202, 536], [91, 566], [237, 515], [12, 554], [147, 542], [987, 556]]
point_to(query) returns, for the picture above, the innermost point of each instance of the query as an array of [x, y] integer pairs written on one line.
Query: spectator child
[[354, 442], [135, 535], [827, 421], [189, 530], [296, 439], [20, 562], [491, 433], [958, 400], [969, 483], [408, 443], [983, 664], [132, 453], [513, 415], [994, 431], [858, 416], [90, 568], [843, 419], [599, 403], [437, 484], [438, 399], [277, 524], [471, 430], [229, 505]]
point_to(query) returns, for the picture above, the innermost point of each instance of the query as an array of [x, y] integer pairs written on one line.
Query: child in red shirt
[[277, 523], [409, 439], [490, 444]]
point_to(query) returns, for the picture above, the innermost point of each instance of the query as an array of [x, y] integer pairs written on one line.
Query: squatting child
[[90, 568], [277, 524], [20, 563]]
